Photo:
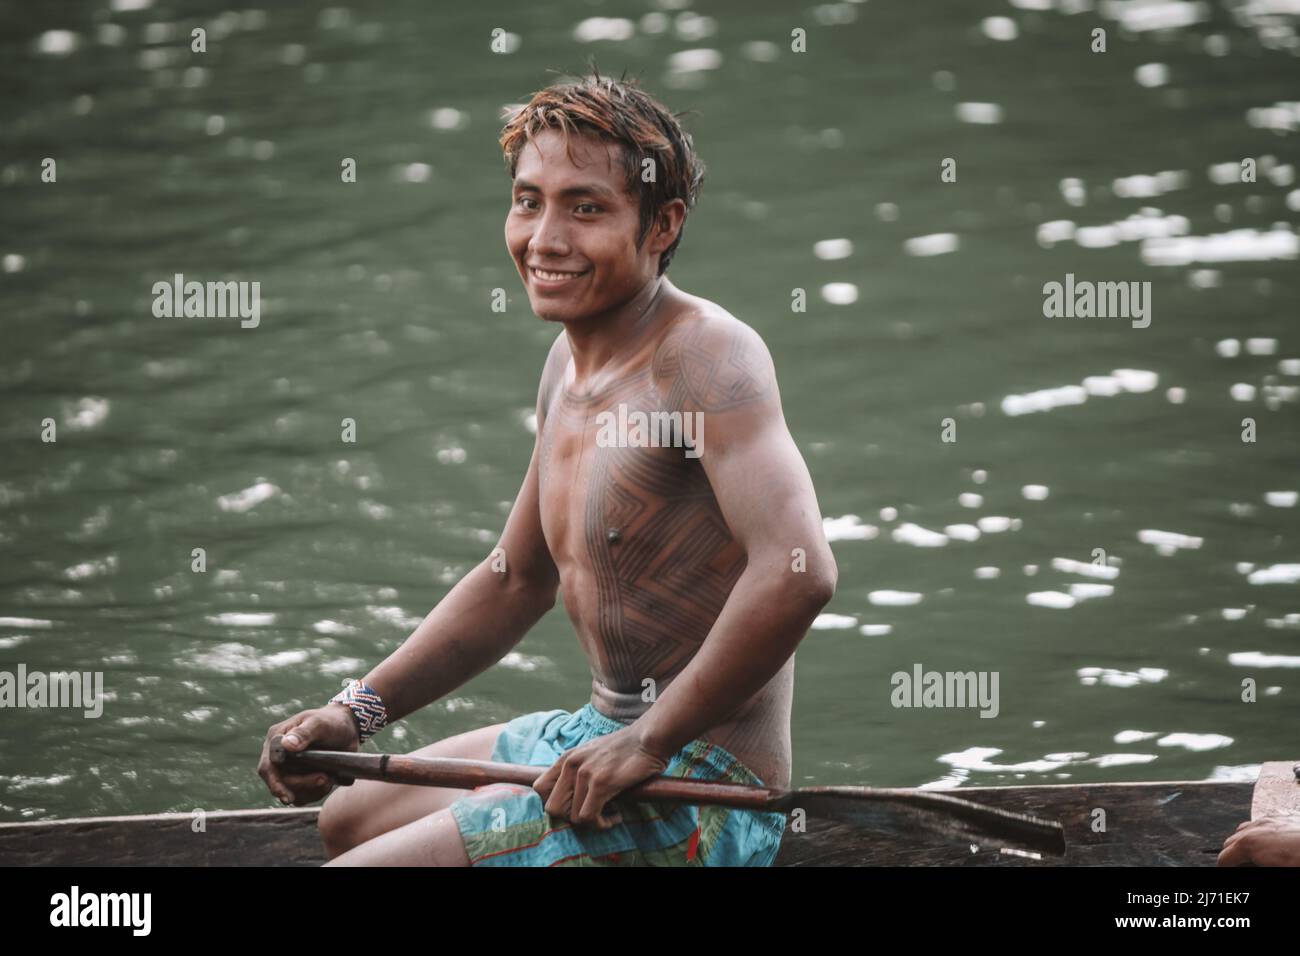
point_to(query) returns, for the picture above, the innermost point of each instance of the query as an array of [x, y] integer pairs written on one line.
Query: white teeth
[[554, 276]]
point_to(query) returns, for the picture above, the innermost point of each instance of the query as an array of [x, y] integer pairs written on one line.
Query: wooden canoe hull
[[1146, 824]]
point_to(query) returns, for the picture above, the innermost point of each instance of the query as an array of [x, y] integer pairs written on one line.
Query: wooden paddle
[[894, 811]]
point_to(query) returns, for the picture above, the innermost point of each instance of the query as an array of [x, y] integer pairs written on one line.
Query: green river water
[[925, 303]]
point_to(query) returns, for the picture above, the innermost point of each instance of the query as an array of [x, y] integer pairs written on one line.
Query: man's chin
[[548, 311]]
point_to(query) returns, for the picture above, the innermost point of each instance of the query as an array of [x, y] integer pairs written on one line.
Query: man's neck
[[598, 340]]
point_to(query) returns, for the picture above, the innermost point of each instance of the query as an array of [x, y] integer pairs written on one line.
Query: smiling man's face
[[574, 221]]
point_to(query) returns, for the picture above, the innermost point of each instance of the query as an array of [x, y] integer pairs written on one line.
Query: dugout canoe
[[1146, 824]]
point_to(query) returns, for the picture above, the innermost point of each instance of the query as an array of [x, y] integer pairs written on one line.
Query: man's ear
[[669, 225]]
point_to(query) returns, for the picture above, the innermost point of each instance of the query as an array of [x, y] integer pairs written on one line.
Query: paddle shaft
[[468, 774], [889, 809]]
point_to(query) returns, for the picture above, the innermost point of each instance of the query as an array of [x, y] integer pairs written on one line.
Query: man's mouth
[[550, 279]]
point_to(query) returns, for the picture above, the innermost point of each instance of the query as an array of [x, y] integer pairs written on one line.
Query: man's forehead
[[586, 159]]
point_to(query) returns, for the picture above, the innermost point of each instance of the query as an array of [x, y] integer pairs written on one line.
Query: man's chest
[[617, 477]]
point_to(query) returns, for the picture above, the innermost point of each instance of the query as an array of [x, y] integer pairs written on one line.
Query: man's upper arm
[[719, 369], [526, 553]]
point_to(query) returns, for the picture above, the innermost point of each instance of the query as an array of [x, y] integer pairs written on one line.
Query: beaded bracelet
[[367, 709]]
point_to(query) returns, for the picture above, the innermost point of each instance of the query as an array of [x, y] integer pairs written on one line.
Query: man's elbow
[[823, 584], [549, 594], [815, 583]]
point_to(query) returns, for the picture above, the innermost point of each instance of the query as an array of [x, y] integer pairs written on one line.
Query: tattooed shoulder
[[714, 363]]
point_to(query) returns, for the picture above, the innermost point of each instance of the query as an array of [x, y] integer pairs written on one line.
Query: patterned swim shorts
[[506, 825]]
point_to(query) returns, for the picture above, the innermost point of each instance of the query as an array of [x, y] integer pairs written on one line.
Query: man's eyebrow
[[583, 189]]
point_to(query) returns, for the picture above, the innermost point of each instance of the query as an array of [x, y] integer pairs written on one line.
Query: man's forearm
[[766, 615], [473, 627]]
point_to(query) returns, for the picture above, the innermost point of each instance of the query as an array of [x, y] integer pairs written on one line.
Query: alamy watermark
[[75, 908], [208, 300], [80, 690], [1086, 299], [922, 688], [637, 429]]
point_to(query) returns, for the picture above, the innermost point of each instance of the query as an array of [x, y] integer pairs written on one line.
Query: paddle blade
[[925, 812]]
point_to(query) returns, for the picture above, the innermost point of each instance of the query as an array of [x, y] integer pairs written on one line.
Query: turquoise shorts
[[506, 825]]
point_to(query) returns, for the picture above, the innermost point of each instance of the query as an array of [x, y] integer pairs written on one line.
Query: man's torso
[[645, 559]]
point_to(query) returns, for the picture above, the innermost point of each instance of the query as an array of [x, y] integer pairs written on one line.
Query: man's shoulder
[[553, 370], [701, 323], [713, 360]]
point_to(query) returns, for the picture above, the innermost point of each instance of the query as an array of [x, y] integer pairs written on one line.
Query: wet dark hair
[[616, 111]]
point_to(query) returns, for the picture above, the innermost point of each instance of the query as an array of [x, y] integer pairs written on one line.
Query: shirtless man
[[690, 573]]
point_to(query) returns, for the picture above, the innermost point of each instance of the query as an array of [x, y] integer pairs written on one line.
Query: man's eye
[[522, 199], [594, 208]]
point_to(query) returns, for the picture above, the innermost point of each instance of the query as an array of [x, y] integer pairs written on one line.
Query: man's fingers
[[298, 733], [270, 771], [590, 795], [306, 788], [581, 784], [1234, 852], [297, 781], [270, 775], [301, 736], [557, 804], [279, 792], [1238, 849], [546, 782], [588, 812]]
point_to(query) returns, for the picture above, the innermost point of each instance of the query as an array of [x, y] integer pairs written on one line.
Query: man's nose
[[551, 236]]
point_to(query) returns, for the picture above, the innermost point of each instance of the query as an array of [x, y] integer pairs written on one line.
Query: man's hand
[[1269, 841], [331, 727], [583, 780]]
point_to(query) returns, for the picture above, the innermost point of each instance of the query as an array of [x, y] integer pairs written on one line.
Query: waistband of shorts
[[598, 721]]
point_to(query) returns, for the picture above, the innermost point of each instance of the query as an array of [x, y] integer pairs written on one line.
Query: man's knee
[[340, 823], [352, 815]]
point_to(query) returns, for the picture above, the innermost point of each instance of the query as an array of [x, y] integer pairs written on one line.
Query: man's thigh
[[352, 815], [432, 840]]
